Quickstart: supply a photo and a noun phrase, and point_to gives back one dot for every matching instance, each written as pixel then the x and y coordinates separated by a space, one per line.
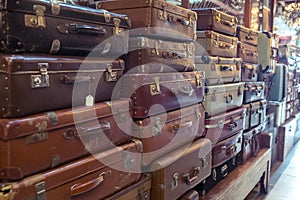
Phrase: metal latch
pixel 198 81
pixel 40 191
pixel 155 88
pixel 157 128
pixel 106 16
pixel 37 20
pixel 111 76
pixel 42 80
pixel 174 184
pixel 6 191
pixel 129 160
pixel 117 30
pixel 156 46
pixel 55 7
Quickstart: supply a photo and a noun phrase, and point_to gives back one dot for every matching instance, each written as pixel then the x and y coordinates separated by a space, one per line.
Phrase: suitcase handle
pixel 249 37
pixel 184 91
pixel 81 188
pixel 226 68
pixel 224 45
pixel 86 29
pixel 78 79
pixel 176 127
pixel 224 22
pixel 100 127
pixel 188 179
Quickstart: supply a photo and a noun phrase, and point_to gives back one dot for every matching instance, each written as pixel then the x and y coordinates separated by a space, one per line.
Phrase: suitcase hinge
pixel 117 30
pixel 38 20
pixel 55 7
pixel 155 88
pixel 110 75
pixel 6 191
pixel 40 191
pixel 42 80
pixel 174 184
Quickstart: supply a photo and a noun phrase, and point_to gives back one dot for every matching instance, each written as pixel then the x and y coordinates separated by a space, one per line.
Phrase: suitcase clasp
pixel 40 191
pixel 117 30
pixel 55 7
pixel 38 20
pixel 110 75
pixel 174 184
pixel 42 80
pixel 155 88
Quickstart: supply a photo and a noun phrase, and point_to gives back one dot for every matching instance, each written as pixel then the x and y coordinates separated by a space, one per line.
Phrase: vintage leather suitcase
pixel 160 92
pixel 138 191
pixel 249 72
pixel 87 178
pixel 60 137
pixel 163 133
pixel 223 126
pixel 219 70
pixel 221 98
pixel 190 195
pixel 213 19
pixel 181 170
pixel 32 81
pixel 216 44
pixel 279 83
pixel 52 27
pixel 258 113
pixel 247 53
pixel 254 91
pixel 247 35
pixel 279 109
pixel 170 21
pixel 251 143
pixel 148 55
pixel 286 138
pixel 267 52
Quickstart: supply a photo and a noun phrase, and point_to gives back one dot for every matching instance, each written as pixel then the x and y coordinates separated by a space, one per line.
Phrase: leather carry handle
pixel 78 79
pixel 184 91
pixel 86 29
pixel 100 127
pixel 175 19
pixel 249 37
pixel 224 45
pixel 226 68
pixel 224 22
pixel 174 128
pixel 229 99
pixel 233 126
pixel 81 188
pixel 188 179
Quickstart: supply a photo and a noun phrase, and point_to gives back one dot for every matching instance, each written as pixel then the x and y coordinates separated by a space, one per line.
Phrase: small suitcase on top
pixel 55 27
pixel 247 35
pixel 247 53
pixel 213 19
pixel 156 18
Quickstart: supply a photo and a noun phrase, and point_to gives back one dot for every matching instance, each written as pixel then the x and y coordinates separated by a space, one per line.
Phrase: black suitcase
pixel 53 27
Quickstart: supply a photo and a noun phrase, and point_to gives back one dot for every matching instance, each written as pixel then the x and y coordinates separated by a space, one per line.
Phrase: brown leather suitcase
pixel 254 91
pixel 87 178
pixel 190 195
pixel 249 72
pixel 36 83
pixel 148 55
pixel 138 191
pixel 258 113
pixel 160 92
pixel 55 138
pixel 219 70
pixel 222 98
pixel 55 27
pixel 213 19
pixel 156 18
pixel 216 44
pixel 178 172
pixel 247 35
pixel 163 133
pixel 223 126
pixel 247 53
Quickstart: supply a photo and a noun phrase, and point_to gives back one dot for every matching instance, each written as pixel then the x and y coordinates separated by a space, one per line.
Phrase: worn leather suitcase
pixel 190 195
pixel 254 91
pixel 138 191
pixel 148 55
pixel 170 21
pixel 164 133
pixel 213 19
pixel 247 53
pixel 219 70
pixel 87 178
pixel 60 137
pixel 52 28
pixel 178 172
pixel 160 92
pixel 222 98
pixel 216 44
pixel 246 35
pixel 279 109
pixel 286 138
pixel 251 143
pixel 258 113
pixel 223 126
pixel 32 81
pixel 249 72
pixel 279 83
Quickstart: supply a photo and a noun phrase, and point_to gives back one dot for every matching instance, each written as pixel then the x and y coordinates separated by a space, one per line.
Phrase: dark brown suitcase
pixel 164 133
pixel 216 44
pixel 246 35
pixel 213 19
pixel 247 53
pixel 138 191
pixel 223 126
pixel 148 55
pixel 87 178
pixel 254 91
pixel 54 27
pixel 157 93
pixel 33 83
pixel 258 113
pixel 219 70
pixel 190 195
pixel 55 138
pixel 156 18
pixel 178 172
pixel 249 72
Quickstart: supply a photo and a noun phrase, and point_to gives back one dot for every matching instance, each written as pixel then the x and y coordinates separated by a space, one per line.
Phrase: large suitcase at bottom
pixel 181 170
pixel 87 178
